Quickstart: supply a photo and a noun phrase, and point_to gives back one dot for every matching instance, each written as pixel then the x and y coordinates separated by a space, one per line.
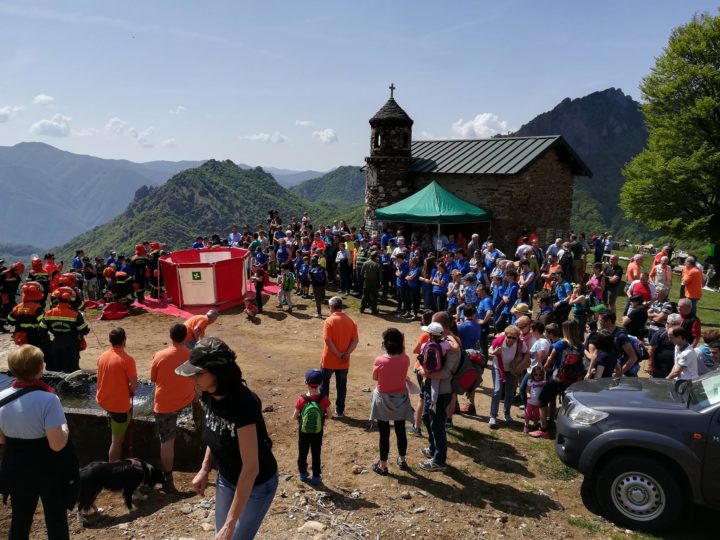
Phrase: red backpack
pixel 571 368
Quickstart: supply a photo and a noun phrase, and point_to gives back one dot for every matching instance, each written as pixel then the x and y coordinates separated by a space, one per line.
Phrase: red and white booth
pixel 205 277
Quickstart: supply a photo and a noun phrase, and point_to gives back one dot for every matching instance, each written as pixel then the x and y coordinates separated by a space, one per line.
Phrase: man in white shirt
pixel 553 249
pixel 686 360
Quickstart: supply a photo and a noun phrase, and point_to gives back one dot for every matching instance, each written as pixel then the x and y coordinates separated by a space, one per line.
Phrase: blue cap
pixel 313 377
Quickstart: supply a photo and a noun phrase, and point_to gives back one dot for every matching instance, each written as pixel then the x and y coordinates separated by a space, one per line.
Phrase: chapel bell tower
pixel 387 170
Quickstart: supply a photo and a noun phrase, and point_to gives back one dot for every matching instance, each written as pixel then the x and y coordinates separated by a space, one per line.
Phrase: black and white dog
pixel 125 475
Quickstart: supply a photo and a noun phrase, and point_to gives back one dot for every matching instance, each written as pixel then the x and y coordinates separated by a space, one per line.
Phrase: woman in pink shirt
pixel 390 401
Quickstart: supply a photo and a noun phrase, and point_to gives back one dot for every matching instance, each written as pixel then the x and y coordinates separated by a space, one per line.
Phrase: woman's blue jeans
pixel 502 390
pixel 261 497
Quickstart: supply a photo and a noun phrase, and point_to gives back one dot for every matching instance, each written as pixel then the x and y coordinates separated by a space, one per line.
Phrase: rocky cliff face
pixel 606 129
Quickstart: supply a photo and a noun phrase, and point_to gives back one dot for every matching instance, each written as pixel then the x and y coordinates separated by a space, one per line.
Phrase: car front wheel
pixel 639 493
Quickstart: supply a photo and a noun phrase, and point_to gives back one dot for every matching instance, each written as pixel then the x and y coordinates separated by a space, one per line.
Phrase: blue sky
pixel 292 84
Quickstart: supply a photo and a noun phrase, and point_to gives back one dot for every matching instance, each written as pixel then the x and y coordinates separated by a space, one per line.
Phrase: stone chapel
pixel 526 182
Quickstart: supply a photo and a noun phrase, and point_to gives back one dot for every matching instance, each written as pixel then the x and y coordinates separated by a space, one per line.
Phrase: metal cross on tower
pixel 392 89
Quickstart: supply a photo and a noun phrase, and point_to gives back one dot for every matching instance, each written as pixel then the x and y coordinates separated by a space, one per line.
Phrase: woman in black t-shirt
pixel 603 356
pixel 236 439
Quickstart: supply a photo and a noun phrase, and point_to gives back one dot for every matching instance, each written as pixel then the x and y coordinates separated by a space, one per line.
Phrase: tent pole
pixel 437 241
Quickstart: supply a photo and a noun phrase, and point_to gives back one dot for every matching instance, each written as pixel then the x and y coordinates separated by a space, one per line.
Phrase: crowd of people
pixel 538 319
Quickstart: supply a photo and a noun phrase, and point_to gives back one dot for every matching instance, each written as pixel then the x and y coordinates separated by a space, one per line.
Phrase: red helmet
pixel 154 246
pixel 68 279
pixel 17 267
pixel 36 264
pixel 108 272
pixel 64 294
pixel 139 249
pixel 32 291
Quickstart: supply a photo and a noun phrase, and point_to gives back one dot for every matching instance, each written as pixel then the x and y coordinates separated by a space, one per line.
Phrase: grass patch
pixel 551 465
pixel 584 523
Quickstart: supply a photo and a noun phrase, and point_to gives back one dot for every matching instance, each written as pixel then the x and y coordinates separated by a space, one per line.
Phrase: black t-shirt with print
pixel 222 420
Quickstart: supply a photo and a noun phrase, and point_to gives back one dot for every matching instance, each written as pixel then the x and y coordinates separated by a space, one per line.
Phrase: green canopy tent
pixel 433 205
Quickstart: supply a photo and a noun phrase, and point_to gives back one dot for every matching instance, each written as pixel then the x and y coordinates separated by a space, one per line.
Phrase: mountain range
pixel 52 195
pixel 605 128
pixel 200 201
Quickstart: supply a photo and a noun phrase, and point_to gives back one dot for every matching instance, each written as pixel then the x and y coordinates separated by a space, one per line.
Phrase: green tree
pixel 674 184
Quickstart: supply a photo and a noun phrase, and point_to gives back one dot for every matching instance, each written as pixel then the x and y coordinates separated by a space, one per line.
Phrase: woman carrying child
pixel 390 400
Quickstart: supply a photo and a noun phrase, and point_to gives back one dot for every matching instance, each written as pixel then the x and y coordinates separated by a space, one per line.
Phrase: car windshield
pixel 705 391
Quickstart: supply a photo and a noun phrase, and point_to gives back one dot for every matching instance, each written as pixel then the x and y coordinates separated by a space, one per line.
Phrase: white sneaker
pixel 492 423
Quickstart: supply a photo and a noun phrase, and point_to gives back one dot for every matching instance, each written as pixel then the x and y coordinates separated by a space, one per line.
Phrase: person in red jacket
pixel 39 274
pixel 68 328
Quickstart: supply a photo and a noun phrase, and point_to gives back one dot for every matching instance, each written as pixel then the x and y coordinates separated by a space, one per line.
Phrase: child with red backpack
pixel 566 362
pixel 311 410
pixel 534 388
pixel 432 356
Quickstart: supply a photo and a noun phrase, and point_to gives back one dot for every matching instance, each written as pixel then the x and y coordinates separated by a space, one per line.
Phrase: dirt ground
pixel 499 484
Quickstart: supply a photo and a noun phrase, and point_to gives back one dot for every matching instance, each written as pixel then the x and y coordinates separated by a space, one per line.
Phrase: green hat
pixel 599 308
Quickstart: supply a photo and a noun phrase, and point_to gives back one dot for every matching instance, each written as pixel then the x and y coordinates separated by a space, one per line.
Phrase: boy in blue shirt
pixel 304 275
pixel 401 271
pixel 509 297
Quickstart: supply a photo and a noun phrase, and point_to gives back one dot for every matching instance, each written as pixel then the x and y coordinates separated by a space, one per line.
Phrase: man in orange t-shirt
pixel 116 384
pixel 172 394
pixel 692 279
pixel 341 337
pixel 196 326
pixel 634 268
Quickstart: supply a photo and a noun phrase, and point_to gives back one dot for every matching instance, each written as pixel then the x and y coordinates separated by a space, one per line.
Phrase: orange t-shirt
pixel 633 271
pixel 172 392
pixel 341 330
pixel 421 340
pixel 196 320
pixel 551 270
pixel 693 279
pixel 115 369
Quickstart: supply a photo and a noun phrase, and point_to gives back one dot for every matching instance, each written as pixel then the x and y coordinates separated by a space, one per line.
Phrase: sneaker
pixel 449 423
pixel 315 481
pixel 526 428
pixel 468 408
pixel 508 418
pixel 377 469
pixel 492 422
pixel 304 476
pixel 431 466
pixel 339 414
pixel 540 434
pixel 427 453
pixel 402 464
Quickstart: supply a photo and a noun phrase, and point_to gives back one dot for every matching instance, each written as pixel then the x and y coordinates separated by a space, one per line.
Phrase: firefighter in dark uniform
pixel 140 265
pixel 119 287
pixel 69 279
pixel 9 285
pixel 372 276
pixel 38 274
pixel 27 316
pixel 155 275
pixel 68 328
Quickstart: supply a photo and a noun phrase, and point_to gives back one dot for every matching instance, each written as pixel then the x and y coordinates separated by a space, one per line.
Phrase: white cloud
pixel 8 112
pixel 178 110
pixel 303 123
pixel 274 138
pixel 325 136
pixel 426 135
pixel 43 99
pixel 482 126
pixel 169 143
pixel 57 126
pixel 116 126
pixel 144 137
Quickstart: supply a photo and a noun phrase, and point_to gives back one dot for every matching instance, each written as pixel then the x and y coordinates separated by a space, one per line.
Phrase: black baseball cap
pixel 208 352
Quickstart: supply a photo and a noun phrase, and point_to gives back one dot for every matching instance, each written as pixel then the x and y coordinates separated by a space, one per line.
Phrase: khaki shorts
pixel 166 425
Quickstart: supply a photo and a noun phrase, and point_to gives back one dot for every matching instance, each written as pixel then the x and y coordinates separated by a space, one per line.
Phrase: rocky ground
pixel 500 484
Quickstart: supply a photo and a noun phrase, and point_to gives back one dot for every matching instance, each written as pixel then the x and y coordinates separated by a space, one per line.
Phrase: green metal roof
pixel 501 155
